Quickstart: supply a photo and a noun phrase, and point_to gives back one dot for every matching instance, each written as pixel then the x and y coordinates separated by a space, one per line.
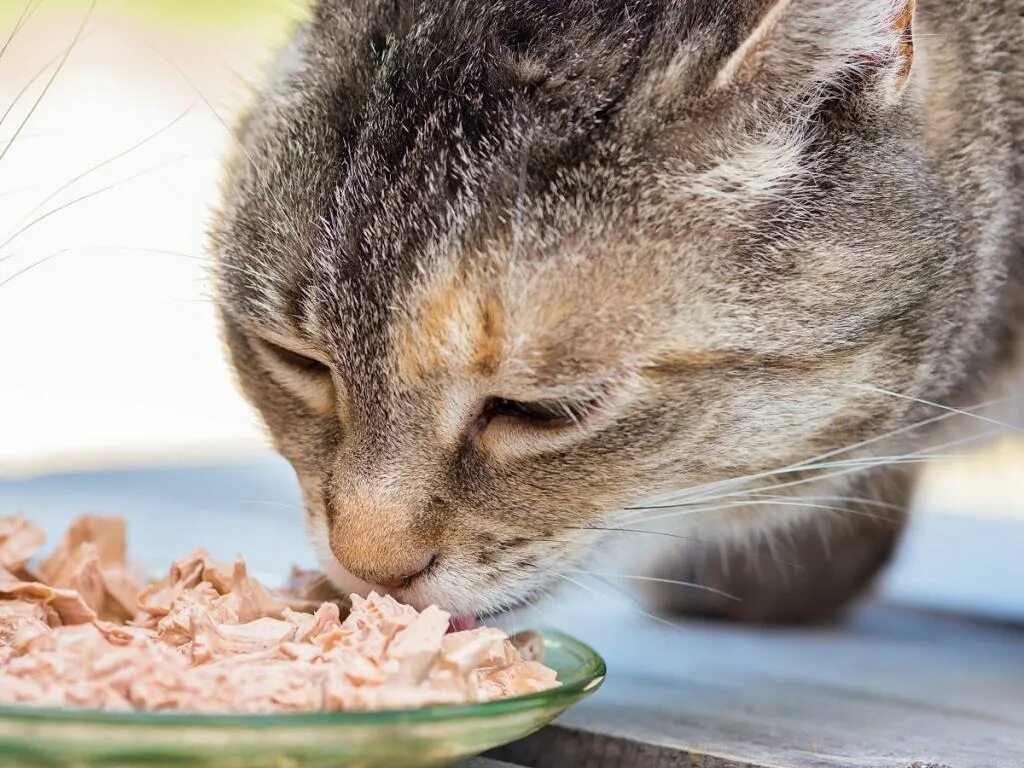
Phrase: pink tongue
pixel 462 623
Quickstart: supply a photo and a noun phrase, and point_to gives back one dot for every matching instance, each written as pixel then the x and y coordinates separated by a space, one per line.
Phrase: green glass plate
pixel 399 739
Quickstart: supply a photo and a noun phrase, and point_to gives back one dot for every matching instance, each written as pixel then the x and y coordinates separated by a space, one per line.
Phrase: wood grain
pixel 893 688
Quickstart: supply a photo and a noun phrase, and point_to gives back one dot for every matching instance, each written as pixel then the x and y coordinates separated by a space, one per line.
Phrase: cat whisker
pixel 697 490
pixel 691 506
pixel 854 465
pixel 33 265
pixel 920 456
pixel 261 178
pixel 865 500
pixel 194 257
pixel 520 214
pixel 26 13
pixel 107 162
pixel 739 504
pixel 546 618
pixel 63 206
pixel 631 607
pixel 654 579
pixel 280 504
pixel 932 404
pixel 46 88
pixel 555 541
pixel 23 138
pixel 39 73
pixel 626 594
pixel 679 537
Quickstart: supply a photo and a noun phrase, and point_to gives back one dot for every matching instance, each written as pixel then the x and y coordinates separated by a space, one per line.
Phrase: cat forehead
pixel 502 258
pixel 534 323
pixel 368 155
pixel 356 213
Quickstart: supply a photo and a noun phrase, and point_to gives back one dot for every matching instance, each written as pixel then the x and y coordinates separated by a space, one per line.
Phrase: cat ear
pixel 809 44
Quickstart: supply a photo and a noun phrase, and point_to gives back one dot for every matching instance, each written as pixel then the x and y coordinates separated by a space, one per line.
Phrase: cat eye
pixel 296 360
pixel 540 413
pixel 304 376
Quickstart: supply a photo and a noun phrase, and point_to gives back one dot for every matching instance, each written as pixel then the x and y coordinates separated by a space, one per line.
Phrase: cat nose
pixel 381 555
pixel 394 582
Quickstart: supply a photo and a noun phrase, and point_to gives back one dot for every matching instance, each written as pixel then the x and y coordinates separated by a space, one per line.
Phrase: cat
pixel 510 282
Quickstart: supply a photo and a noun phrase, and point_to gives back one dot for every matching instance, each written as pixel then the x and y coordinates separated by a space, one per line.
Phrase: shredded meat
pixel 19 541
pixel 83 631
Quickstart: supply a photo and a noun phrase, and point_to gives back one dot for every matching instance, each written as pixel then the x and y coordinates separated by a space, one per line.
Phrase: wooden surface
pixel 892 688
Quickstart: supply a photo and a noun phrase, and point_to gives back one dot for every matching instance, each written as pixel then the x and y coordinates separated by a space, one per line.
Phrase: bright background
pixel 108 350
pixel 109 353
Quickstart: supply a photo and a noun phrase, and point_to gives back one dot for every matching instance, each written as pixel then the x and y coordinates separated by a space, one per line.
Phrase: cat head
pixel 491 271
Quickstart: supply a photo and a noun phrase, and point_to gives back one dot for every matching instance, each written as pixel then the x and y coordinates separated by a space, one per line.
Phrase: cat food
pixel 81 629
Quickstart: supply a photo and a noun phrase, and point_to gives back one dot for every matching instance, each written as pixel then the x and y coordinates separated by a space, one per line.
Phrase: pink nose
pixel 378 546
pixel 394 582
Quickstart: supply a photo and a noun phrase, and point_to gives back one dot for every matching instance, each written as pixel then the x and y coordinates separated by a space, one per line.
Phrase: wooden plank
pixel 559 746
pixel 890 689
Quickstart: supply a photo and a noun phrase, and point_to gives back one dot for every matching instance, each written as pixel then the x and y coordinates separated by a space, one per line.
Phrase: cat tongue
pixel 462 623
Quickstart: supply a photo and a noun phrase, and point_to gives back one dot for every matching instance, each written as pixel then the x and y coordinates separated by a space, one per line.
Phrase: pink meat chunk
pixel 82 631
pixel 19 541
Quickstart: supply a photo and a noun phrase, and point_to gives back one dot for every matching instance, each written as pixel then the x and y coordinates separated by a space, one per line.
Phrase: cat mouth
pixel 462 623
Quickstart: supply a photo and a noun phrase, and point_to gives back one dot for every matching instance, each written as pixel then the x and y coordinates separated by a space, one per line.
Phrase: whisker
pixel 24 137
pixel 60 66
pixel 630 607
pixel 280 504
pixel 544 615
pixel 932 404
pixel 260 177
pixel 26 13
pixel 553 541
pixel 751 503
pixel 524 166
pixel 182 254
pixel 654 579
pixel 680 537
pixel 690 507
pixel 866 501
pixel 33 265
pixel 42 217
pixel 856 464
pixel 690 494
pixel 107 162
pixel 910 458
pixel 631 597
pixel 698 490
pixel 39 73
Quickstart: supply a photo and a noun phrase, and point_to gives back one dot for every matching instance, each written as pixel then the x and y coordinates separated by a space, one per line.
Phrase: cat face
pixel 491 274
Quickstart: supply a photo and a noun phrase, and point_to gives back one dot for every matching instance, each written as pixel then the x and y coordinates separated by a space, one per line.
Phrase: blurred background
pixel 110 361
pixel 109 350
